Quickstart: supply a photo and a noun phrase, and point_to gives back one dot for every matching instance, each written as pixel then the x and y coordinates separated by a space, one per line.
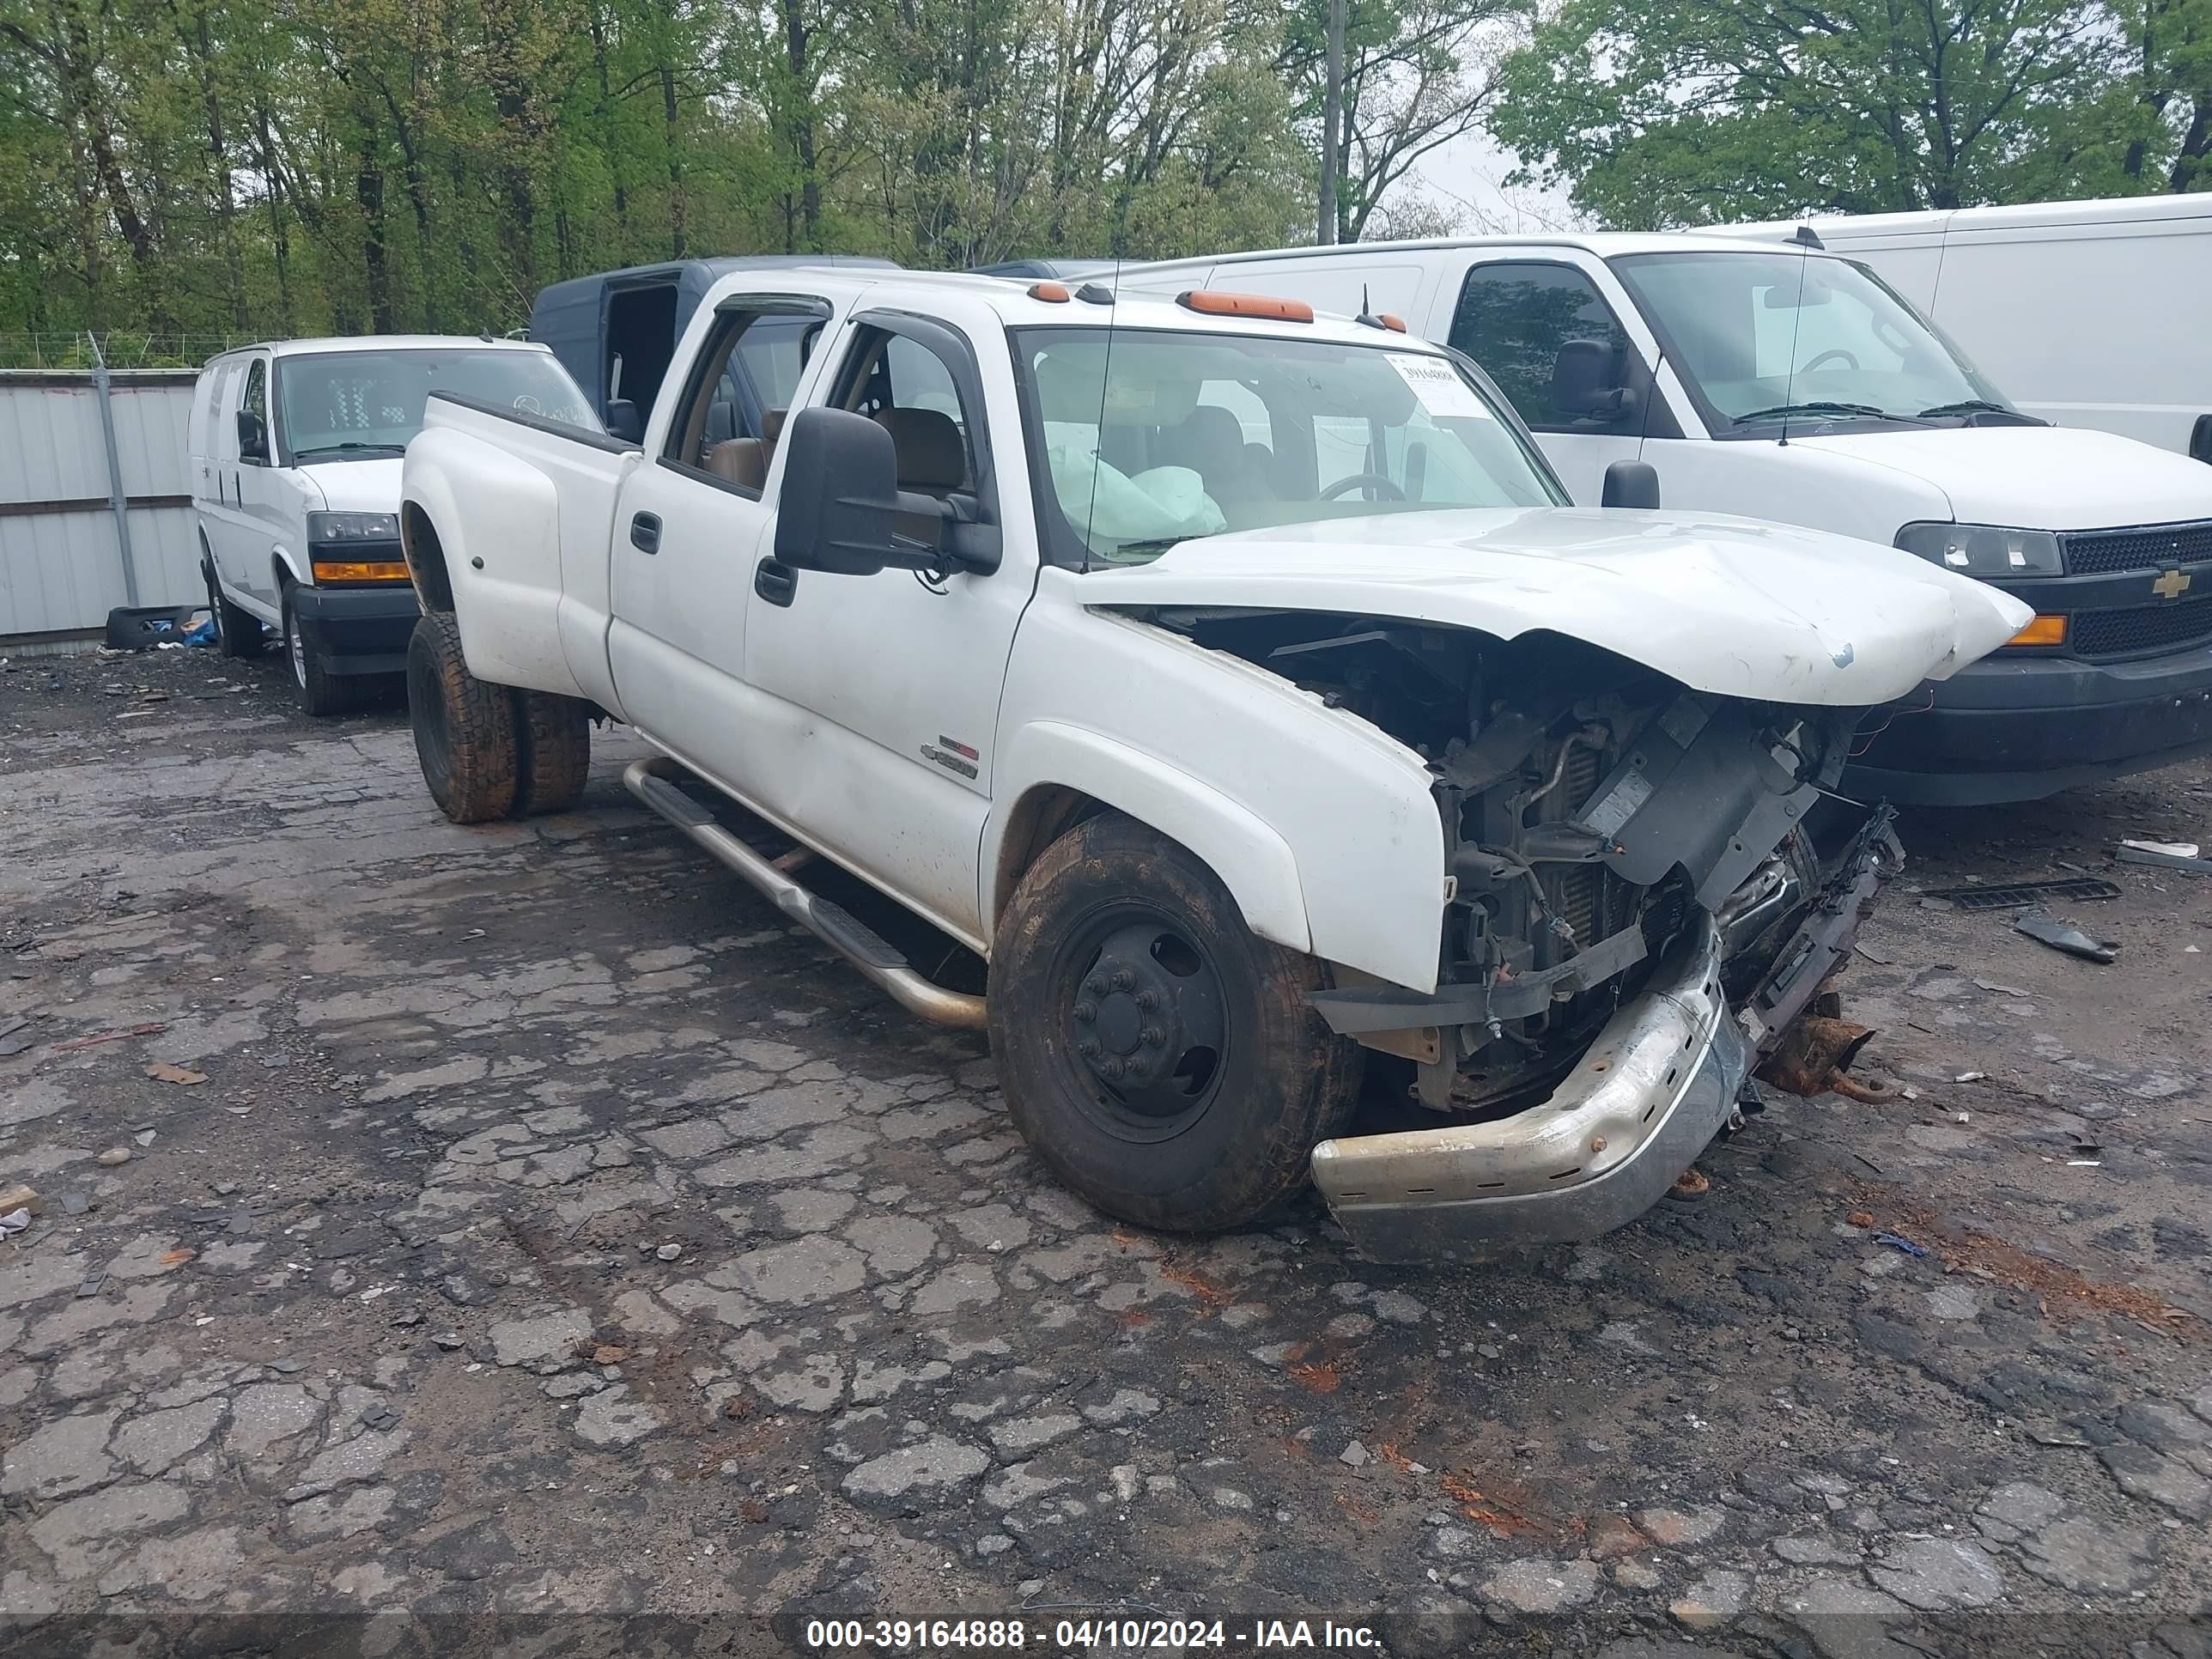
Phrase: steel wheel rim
pixel 1141 1016
pixel 295 648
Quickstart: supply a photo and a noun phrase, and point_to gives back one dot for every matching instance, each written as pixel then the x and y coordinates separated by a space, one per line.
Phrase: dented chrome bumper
pixel 1650 1096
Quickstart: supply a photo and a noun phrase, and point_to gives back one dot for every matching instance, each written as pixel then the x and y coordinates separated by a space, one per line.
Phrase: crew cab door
pixel 1568 350
pixel 878 696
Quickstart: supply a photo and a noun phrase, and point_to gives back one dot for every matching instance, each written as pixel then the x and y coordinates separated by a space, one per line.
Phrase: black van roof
pixel 569 316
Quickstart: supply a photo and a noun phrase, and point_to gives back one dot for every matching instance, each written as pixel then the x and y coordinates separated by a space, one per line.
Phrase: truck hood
pixel 357 486
pixel 2037 477
pixel 1726 605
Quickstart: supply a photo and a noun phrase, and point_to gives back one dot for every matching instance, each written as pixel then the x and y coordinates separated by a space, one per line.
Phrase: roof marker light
pixel 1211 303
pixel 1054 294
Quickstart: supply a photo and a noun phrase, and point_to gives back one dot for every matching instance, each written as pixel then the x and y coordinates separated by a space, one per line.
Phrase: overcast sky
pixel 1466 176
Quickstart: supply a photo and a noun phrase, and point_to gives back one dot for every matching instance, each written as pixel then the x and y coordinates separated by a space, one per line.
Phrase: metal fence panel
pixel 61 560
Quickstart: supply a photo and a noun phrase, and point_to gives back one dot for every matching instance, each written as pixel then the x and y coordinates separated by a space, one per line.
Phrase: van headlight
pixel 1984 550
pixel 353 527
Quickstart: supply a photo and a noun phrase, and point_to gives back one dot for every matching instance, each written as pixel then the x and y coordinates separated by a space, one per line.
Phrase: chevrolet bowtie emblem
pixel 2171 584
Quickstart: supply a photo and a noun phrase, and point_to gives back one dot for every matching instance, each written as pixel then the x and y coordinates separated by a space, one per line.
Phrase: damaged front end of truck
pixel 1639 914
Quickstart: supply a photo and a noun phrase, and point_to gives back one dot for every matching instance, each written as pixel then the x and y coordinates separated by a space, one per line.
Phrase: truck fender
pixel 1254 862
pixel 495 561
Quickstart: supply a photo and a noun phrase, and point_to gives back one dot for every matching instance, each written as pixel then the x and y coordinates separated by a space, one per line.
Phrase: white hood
pixel 356 486
pixel 2037 477
pixel 1730 606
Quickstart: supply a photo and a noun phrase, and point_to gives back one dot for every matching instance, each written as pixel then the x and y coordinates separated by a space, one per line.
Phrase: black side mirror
pixel 2200 439
pixel 839 492
pixel 1631 483
pixel 624 424
pixel 252 437
pixel 1583 382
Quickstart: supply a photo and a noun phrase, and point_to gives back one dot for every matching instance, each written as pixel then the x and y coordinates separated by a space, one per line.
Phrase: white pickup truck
pixel 1239 687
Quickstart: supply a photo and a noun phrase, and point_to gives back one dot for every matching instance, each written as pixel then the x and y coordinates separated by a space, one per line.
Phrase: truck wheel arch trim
pixel 1252 860
pixel 425 554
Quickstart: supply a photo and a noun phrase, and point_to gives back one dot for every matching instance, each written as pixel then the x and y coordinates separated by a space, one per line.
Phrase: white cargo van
pixel 1792 384
pixel 292 449
pixel 2088 313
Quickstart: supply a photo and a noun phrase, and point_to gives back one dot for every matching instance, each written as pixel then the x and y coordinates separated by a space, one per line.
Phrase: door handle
pixel 645 533
pixel 775 582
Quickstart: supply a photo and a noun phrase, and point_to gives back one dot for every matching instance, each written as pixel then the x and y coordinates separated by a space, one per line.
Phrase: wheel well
pixel 426 558
pixel 1040 817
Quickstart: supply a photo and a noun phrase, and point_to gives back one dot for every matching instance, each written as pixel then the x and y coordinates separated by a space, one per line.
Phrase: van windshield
pixel 1162 435
pixel 359 405
pixel 1760 338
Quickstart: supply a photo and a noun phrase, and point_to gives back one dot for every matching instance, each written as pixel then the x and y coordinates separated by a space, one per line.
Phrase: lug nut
pixel 1113 1065
pixel 1087 1046
pixel 1123 979
pixel 1154 1036
pixel 1096 985
pixel 1086 1011
pixel 1148 999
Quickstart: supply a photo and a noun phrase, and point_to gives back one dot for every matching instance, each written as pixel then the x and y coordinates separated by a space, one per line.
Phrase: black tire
pixel 553 739
pixel 464 733
pixel 238 634
pixel 1168 1143
pixel 320 691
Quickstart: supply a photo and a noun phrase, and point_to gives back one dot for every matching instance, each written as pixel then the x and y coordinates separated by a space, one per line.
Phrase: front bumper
pixel 1650 1094
pixel 358 630
pixel 2018 728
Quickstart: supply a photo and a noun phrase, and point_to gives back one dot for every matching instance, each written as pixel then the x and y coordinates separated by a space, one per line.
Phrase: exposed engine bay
pixel 1595 812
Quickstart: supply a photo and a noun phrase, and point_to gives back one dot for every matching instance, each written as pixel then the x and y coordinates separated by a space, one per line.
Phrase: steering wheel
pixel 1370 480
pixel 1849 361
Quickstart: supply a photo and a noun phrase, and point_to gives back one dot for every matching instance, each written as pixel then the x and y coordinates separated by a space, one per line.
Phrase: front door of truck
pixel 879 695
pixel 688 529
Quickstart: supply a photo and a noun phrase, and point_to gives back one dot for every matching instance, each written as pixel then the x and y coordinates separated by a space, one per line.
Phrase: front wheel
pixel 236 631
pixel 1157 1055
pixel 321 692
pixel 464 726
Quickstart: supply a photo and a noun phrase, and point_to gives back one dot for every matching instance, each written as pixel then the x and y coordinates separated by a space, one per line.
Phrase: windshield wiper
pixel 1970 406
pixel 1866 410
pixel 350 447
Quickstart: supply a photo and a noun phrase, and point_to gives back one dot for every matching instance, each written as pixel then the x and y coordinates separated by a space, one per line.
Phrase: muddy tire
pixel 320 692
pixel 554 737
pixel 464 734
pixel 238 634
pixel 1156 1054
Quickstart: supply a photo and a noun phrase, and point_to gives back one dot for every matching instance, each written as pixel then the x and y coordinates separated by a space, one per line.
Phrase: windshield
pixel 360 405
pixel 1757 336
pixel 1160 435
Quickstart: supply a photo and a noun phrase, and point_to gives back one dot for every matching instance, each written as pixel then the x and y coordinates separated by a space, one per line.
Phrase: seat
pixel 1212 440
pixel 932 457
pixel 740 461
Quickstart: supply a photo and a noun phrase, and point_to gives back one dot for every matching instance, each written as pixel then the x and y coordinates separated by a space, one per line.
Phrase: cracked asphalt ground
pixel 558 1238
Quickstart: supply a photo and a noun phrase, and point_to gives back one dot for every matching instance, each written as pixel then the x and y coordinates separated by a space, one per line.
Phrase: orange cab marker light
pixel 2044 630
pixel 1213 304
pixel 1395 324
pixel 329 570
pixel 1055 294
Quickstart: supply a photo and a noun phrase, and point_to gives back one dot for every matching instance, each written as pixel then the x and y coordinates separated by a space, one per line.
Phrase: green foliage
pixel 1705 111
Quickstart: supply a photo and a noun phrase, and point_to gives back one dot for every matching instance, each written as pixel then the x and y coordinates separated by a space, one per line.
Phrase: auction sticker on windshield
pixel 1438 385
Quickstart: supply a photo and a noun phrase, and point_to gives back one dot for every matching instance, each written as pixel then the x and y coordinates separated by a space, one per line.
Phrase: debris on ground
pixel 2061 935
pixel 2024 892
pixel 113 1155
pixel 163 1071
pixel 2165 856
pixel 1899 1241
pixel 1970 1077
pixel 21 1197
pixel 14 1221
pixel 1814 1058
pixel 1692 1183
pixel 2172 849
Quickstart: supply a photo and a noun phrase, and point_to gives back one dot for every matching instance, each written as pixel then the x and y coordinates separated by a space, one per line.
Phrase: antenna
pixel 1796 323
pixel 1098 448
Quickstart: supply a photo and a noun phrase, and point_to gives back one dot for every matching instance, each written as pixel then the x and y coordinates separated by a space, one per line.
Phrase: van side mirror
pixel 1582 383
pixel 1631 483
pixel 839 492
pixel 2200 439
pixel 252 437
pixel 624 424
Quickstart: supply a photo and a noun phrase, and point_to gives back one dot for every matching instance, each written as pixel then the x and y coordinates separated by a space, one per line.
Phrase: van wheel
pixel 320 692
pixel 235 631
pixel 553 737
pixel 464 733
pixel 1157 1055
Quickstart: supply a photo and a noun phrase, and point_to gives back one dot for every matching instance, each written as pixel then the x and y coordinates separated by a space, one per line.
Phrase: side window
pixel 1514 319
pixel 906 387
pixel 732 416
pixel 256 398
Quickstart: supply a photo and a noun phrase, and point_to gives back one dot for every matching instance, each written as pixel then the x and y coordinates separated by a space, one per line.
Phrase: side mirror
pixel 839 492
pixel 1631 483
pixel 1583 382
pixel 2200 439
pixel 252 437
pixel 624 424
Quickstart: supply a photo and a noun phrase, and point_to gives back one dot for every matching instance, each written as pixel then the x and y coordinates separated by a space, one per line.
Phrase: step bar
pixel 653 780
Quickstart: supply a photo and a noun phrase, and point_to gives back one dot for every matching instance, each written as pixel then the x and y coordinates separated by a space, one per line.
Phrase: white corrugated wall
pixel 61 565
